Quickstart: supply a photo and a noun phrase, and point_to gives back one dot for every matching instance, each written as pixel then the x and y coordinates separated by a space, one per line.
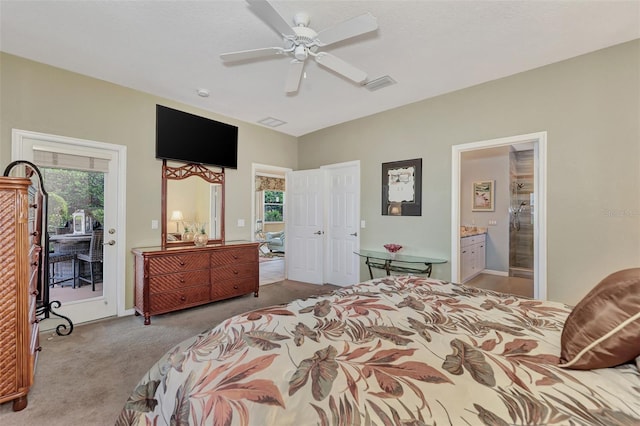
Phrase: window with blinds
pixel 69 161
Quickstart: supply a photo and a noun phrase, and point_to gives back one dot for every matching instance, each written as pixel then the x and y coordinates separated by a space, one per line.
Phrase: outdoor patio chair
pixel 54 259
pixel 93 258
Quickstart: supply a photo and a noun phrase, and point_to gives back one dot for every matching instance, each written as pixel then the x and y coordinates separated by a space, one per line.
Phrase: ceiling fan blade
pixel 350 28
pixel 268 14
pixel 293 76
pixel 341 67
pixel 242 55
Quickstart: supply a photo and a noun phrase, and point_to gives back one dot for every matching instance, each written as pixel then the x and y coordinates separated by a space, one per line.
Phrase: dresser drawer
pixel 241 270
pixel 231 256
pixel 168 282
pixel 173 300
pixel 231 288
pixel 178 262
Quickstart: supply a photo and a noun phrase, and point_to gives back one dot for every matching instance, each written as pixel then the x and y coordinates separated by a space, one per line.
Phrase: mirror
pixel 192 203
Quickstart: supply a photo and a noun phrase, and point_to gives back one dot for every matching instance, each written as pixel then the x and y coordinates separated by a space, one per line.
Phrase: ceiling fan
pixel 300 42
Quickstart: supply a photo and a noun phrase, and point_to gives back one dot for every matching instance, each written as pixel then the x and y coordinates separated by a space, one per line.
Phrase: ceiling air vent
pixel 379 83
pixel 272 122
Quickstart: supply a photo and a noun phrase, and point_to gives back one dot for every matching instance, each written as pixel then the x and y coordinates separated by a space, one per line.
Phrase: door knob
pixel 355 234
pixel 318 233
pixel 109 243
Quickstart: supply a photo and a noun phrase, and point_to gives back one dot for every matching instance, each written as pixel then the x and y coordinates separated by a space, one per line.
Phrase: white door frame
pixel 17 153
pixel 539 141
pixel 280 172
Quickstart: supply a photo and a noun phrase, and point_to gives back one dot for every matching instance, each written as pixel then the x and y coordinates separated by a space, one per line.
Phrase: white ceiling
pixel 172 48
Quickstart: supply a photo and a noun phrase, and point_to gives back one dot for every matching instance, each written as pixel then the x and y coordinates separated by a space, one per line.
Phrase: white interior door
pixel 343 217
pixel 105 303
pixel 304 226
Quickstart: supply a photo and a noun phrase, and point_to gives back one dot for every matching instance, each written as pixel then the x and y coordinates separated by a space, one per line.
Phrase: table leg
pixel 387 267
pixel 369 265
pixel 428 270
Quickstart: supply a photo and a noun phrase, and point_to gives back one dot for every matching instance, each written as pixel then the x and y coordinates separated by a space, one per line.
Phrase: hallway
pixel 271 270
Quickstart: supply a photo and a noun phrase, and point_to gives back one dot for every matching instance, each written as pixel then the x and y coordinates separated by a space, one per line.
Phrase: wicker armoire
pixel 20 257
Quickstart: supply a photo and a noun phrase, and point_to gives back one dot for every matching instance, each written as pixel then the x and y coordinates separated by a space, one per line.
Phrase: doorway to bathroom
pixel 530 216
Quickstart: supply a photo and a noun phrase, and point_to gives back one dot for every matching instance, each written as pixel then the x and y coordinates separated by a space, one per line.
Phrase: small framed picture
pixel 483 198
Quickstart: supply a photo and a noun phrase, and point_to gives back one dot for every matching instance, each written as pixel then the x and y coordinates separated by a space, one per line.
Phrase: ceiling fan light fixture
pixel 300 42
pixel 300 52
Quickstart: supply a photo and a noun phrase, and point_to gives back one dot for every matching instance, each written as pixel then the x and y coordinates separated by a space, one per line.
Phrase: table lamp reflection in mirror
pixel 176 216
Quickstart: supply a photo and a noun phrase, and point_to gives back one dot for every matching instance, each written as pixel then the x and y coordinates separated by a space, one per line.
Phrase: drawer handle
pixel 38 349
pixel 234 256
pixel 34 205
pixel 183 298
pixel 235 272
pixel 35 321
pixel 34 263
pixel 35 293
pixel 182 281
pixel 34 234
pixel 235 287
pixel 181 263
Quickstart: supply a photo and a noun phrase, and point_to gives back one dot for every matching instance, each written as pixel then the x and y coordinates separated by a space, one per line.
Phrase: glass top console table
pixel 398 262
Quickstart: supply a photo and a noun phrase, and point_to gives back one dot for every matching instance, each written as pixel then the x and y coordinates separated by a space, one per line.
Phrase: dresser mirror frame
pixel 189 171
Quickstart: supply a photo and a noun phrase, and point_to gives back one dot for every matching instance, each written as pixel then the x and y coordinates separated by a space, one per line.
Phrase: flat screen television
pixel 189 138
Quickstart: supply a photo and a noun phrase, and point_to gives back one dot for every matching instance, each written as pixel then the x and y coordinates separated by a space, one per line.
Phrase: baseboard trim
pixel 492 272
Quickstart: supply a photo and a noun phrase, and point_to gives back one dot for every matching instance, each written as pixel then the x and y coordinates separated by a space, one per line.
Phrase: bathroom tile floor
pixel 512 285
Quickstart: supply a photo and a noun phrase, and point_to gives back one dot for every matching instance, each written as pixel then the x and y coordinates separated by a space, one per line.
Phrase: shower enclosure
pixel 521 214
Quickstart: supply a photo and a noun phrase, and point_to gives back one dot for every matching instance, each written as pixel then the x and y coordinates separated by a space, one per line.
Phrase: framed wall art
pixel 483 196
pixel 402 188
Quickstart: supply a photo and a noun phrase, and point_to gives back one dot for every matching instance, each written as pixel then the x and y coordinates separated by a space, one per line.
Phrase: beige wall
pixel 45 99
pixel 589 106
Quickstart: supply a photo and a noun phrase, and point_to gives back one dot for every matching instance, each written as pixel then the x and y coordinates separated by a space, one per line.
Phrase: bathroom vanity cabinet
pixel 472 256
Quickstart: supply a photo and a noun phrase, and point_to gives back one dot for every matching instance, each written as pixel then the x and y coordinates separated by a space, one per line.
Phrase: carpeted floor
pixel 85 378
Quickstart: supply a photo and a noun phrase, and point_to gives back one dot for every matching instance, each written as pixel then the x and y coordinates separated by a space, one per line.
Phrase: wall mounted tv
pixel 185 137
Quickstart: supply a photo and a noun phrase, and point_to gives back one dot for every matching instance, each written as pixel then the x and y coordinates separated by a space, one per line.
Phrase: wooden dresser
pixel 20 225
pixel 171 279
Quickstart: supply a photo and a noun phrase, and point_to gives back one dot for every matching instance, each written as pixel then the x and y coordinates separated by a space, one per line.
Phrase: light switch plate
pixel 240 223
pixel 363 224
pixel 154 224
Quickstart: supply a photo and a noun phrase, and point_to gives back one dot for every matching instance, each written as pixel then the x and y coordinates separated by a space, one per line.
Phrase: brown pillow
pixel 603 330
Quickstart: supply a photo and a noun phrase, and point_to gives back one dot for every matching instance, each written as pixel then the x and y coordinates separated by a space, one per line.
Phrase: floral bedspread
pixel 394 351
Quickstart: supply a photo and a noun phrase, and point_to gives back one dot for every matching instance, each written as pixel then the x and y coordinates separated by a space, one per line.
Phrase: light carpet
pixel 85 378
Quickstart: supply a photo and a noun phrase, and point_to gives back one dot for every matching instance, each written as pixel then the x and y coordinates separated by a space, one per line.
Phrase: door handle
pixel 318 233
pixel 109 243
pixel 355 234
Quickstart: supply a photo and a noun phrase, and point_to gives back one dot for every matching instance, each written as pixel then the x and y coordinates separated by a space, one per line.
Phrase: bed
pixel 400 350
